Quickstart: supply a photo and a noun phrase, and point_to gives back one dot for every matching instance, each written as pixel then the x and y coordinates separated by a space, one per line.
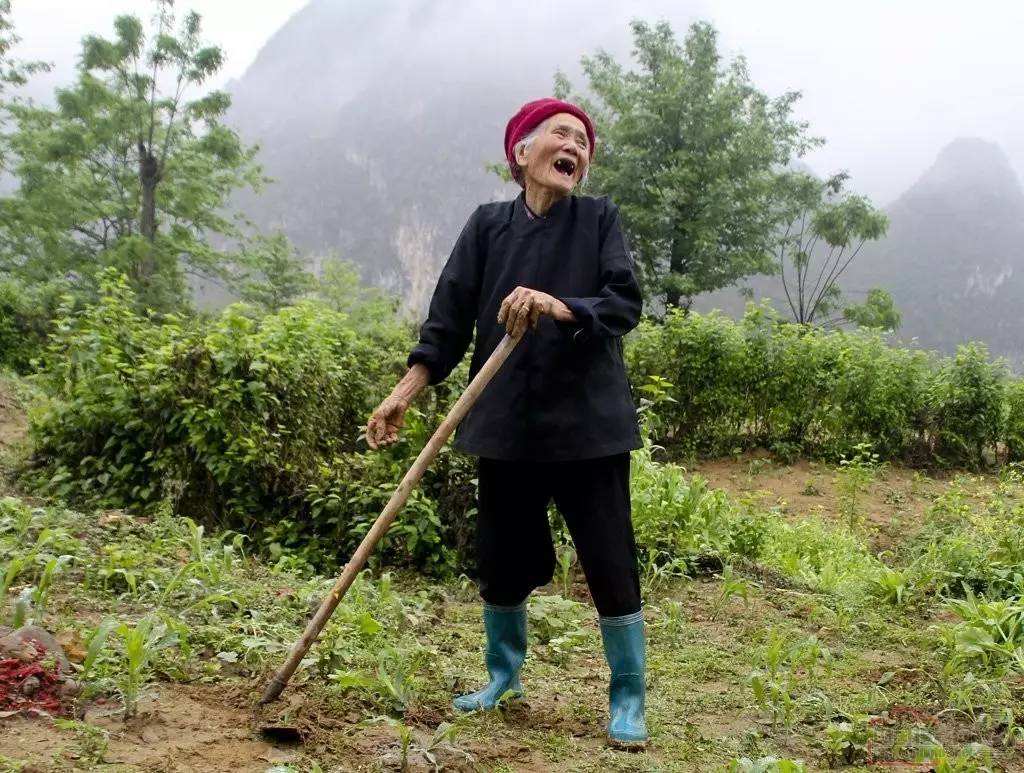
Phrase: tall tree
pixel 271 273
pixel 825 230
pixel 125 170
pixel 13 72
pixel 691 151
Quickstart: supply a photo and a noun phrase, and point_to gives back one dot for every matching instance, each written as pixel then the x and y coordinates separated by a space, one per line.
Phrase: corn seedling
pixel 732 587
pixel 52 568
pixel 773 696
pixel 139 644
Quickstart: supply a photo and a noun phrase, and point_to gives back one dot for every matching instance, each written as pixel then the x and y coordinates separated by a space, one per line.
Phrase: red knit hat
pixel 530 117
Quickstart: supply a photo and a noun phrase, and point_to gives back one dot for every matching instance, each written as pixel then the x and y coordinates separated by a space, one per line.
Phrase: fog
pixel 887 84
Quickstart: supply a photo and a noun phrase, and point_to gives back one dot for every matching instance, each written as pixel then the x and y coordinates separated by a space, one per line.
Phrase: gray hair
pixel 526 141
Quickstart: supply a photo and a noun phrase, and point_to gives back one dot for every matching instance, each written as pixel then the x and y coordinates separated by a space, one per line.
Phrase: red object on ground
pixel 14 672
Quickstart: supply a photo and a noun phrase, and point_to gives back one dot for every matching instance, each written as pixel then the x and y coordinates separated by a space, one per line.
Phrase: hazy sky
pixel 887 83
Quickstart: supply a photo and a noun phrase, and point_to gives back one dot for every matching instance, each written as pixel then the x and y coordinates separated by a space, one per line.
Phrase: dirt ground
pixel 13 422
pixel 894 502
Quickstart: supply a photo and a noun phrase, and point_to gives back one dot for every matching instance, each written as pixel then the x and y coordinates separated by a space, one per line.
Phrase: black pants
pixel 514 548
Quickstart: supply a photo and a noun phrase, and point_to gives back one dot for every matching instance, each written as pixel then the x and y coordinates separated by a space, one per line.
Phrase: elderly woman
pixel 558 420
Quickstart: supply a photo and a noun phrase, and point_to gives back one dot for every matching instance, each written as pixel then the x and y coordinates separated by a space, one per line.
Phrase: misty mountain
pixel 954 254
pixel 953 257
pixel 377 120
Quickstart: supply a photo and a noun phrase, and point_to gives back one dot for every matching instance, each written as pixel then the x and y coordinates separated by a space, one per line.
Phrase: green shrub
pixel 966 398
pixel 1015 420
pixel 26 314
pixel 799 389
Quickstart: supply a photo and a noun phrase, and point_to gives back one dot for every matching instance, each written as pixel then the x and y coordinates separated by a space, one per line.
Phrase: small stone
pixel 30 686
pixel 26 643
pixel 69 688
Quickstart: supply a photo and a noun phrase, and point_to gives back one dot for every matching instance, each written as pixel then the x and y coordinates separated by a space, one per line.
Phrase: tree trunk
pixel 149 176
pixel 675 266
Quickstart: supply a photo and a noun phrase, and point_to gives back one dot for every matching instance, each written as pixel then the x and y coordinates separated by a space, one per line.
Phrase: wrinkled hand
pixel 524 306
pixel 386 420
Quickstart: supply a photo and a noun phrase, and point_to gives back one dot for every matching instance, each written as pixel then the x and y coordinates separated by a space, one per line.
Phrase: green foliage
pixel 965 404
pixel 26 312
pixel 249 422
pixel 370 311
pixel 691 152
pixel 272 273
pixel 125 171
pixel 878 311
pixel 764 382
pixel 825 229
pixel 1015 420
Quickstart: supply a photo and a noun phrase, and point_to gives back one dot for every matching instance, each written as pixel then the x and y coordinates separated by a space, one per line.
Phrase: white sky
pixel 887 82
pixel 51 29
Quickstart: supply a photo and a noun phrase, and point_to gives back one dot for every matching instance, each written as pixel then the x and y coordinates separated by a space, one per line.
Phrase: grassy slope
pixel 399 647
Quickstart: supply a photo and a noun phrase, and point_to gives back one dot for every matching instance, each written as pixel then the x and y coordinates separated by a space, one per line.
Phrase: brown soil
pixel 894 502
pixel 13 422
pixel 179 728
pixel 210 728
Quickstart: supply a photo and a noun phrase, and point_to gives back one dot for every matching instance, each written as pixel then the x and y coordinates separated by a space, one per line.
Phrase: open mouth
pixel 565 166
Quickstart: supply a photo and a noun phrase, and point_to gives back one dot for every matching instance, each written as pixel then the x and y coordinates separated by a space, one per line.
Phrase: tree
pixel 125 170
pixel 691 151
pixel 878 310
pixel 825 230
pixel 13 72
pixel 273 275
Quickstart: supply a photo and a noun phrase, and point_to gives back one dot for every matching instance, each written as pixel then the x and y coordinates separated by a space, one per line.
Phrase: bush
pixel 1014 434
pixel 26 314
pixel 766 382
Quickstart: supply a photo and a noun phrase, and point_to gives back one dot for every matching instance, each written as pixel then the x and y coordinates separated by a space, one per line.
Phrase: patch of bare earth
pixel 179 728
pixel 895 501
pixel 13 422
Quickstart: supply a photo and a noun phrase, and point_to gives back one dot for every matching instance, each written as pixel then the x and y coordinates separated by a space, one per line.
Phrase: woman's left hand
pixel 524 306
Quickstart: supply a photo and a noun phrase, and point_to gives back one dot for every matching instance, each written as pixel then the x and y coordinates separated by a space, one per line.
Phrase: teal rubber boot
pixel 505 628
pixel 625 649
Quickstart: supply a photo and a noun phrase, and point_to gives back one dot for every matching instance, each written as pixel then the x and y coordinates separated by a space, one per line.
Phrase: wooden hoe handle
pixel 387 516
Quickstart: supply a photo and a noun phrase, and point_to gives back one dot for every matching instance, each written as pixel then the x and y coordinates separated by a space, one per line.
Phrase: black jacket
pixel 562 394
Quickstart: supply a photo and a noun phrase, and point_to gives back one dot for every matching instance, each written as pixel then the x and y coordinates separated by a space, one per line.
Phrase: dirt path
pixel 13 422
pixel 180 728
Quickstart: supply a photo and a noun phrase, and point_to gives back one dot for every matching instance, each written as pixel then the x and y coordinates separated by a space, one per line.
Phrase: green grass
pixel 799 650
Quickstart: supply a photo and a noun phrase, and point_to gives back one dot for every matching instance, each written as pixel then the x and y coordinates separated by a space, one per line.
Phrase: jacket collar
pixel 556 212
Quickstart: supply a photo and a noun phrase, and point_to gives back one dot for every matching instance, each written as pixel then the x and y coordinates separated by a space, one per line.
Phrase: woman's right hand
pixel 386 420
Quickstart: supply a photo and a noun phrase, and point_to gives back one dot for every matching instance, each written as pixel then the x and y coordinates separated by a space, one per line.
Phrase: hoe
pixel 387 516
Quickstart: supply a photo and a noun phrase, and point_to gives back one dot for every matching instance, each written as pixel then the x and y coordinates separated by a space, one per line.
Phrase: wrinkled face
pixel 559 155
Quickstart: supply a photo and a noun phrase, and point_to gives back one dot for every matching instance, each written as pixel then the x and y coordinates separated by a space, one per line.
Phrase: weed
pixel 811 488
pixel 91 742
pixel 855 476
pixel 847 743
pixel 765 765
pixel 891 585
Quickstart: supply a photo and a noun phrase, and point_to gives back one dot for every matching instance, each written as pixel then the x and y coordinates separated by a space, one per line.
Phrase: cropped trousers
pixel 515 553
